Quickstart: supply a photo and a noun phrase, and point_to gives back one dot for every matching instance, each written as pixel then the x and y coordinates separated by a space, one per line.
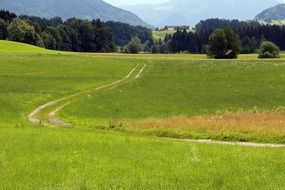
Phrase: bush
pixel 268 50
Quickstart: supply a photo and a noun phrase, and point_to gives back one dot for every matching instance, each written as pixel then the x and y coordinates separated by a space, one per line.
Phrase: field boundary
pixel 244 144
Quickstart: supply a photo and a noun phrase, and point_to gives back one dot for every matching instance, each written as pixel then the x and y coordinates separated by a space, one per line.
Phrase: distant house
pixel 231 54
pixel 169 28
pixel 183 27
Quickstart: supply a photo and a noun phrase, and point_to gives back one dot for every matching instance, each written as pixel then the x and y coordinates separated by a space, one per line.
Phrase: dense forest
pixel 123 33
pixel 70 35
pixel 216 23
pixel 97 36
pixel 251 35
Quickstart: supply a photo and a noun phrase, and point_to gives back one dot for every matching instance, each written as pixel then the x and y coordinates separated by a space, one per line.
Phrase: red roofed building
pixel 231 54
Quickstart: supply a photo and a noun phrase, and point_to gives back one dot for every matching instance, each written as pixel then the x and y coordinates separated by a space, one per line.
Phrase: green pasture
pixel 30 77
pixel 190 88
pixel 160 34
pixel 43 158
pixel 16 47
pixel 88 157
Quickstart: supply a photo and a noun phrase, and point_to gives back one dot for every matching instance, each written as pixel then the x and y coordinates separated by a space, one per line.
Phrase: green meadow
pixel 160 34
pixel 45 158
pixel 34 76
pixel 171 88
pixel 114 141
pixel 186 89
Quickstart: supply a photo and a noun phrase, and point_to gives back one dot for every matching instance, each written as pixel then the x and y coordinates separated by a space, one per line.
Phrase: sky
pixel 133 2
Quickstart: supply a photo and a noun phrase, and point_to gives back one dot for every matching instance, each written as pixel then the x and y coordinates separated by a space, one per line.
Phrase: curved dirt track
pixel 63 102
pixel 245 144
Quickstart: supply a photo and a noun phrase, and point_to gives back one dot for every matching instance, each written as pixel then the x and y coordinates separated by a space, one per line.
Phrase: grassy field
pixel 169 92
pixel 34 76
pixel 162 33
pixel 46 158
pixel 15 47
pixel 173 95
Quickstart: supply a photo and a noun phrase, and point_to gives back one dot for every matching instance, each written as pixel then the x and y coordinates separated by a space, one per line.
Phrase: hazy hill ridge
pixel 274 13
pixel 190 12
pixel 84 9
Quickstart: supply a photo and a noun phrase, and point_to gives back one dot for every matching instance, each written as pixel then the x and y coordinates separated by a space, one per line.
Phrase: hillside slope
pixel 12 47
pixel 274 13
pixel 84 9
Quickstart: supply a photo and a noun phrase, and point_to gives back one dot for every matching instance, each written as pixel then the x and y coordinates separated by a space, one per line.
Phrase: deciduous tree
pixel 222 40
pixel 20 31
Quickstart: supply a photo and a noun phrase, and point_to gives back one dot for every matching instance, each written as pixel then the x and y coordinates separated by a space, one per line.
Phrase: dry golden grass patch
pixel 249 123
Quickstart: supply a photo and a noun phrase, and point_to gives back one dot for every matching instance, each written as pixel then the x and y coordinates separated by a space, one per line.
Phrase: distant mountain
pixel 84 9
pixel 272 14
pixel 176 12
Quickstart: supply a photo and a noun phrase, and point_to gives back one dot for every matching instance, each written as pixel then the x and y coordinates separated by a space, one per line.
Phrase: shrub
pixel 268 50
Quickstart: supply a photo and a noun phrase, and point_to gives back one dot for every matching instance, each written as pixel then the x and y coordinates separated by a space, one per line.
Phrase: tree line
pixel 70 35
pixel 251 35
pixel 96 36
pixel 225 44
